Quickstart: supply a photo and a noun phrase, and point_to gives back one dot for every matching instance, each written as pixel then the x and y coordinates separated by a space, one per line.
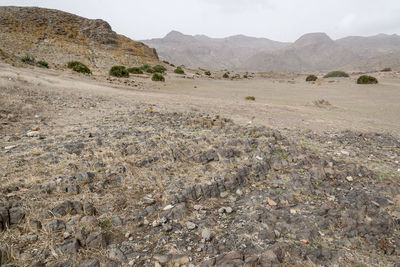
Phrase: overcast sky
pixel 281 20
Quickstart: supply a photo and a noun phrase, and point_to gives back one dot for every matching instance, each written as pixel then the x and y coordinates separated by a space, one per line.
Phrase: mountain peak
pixel 313 38
pixel 174 35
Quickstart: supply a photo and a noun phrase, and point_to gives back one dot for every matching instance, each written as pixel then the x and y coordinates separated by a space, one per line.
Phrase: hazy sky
pixel 281 20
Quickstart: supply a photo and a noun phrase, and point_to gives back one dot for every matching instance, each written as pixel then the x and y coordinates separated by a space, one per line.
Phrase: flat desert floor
pixel 283 101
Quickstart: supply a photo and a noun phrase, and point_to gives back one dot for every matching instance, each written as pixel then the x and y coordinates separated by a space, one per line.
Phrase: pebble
pixel 344 152
pixel 206 235
pixel 349 178
pixel 239 192
pixel 224 194
pixel 190 225
pixel 271 202
pixel 197 207
pixel 168 207
pixel 32 133
pixel 9 147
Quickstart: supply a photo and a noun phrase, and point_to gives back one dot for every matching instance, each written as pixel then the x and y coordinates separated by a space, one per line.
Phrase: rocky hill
pixel 211 53
pixel 311 52
pixel 58 37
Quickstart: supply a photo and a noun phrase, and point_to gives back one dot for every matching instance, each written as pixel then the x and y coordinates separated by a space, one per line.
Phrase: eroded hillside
pixel 59 37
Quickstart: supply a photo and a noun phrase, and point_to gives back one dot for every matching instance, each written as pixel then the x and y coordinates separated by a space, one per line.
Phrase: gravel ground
pixel 99 181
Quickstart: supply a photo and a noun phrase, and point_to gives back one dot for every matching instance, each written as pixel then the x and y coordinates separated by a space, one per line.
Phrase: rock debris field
pixel 90 181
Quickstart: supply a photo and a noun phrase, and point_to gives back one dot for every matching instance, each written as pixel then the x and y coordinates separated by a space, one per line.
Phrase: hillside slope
pixel 58 37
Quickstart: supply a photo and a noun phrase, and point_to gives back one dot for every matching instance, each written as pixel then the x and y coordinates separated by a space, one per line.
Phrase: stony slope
pixel 58 37
pixel 311 52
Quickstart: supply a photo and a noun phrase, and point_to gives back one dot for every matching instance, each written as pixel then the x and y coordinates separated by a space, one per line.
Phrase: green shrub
pixel 179 70
pixel 386 70
pixel 78 67
pixel 157 77
pixel 208 73
pixel 145 67
pixel 311 78
pixel 166 62
pixel 365 79
pixel 226 75
pixel 27 59
pixel 336 73
pixel 245 76
pixel 119 71
pixel 250 98
pixel 43 64
pixel 135 70
pixel 72 64
pixel 159 69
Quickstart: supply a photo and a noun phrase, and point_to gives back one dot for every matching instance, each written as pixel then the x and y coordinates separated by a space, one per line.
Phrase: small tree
pixel 208 73
pixel 119 71
pixel 226 75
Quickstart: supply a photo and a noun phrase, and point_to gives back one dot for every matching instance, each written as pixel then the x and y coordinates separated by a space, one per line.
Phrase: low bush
pixel 366 79
pixel 226 75
pixel 135 70
pixel 208 73
pixel 27 59
pixel 336 73
pixel 119 71
pixel 157 77
pixel 78 67
pixel 311 78
pixel 72 64
pixel 250 98
pixel 179 70
pixel 159 69
pixel 43 64
pixel 145 67
pixel 386 70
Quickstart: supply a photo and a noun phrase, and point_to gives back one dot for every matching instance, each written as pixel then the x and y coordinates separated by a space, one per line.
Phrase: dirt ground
pixel 100 171
pixel 282 102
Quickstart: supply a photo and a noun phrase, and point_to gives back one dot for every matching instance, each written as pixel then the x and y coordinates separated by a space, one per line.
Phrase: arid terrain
pixel 102 171
pixel 206 168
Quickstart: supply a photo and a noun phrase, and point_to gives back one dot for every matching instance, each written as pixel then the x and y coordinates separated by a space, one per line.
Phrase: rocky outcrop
pixel 58 37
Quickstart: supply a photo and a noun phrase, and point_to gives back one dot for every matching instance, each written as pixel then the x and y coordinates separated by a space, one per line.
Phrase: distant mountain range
pixel 311 52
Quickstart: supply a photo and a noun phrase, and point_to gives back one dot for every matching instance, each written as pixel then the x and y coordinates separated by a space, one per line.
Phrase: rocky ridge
pixel 58 37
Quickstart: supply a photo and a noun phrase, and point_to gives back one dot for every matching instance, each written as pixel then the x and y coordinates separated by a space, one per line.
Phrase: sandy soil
pixel 282 102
